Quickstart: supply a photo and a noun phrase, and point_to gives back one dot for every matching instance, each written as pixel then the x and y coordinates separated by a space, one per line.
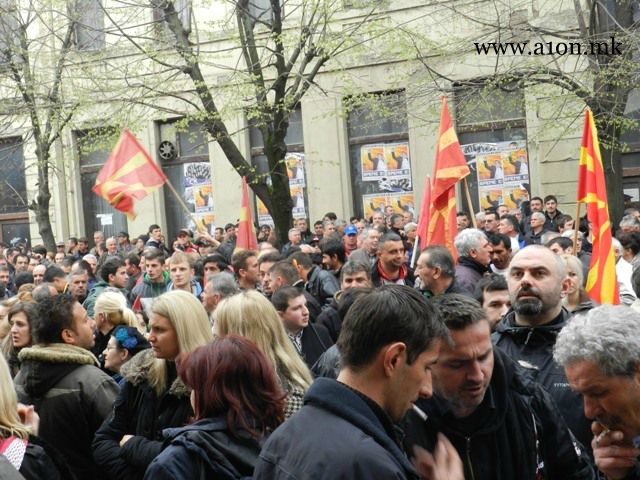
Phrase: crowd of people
pixel 348 352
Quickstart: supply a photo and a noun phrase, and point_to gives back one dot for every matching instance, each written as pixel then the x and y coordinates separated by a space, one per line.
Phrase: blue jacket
pixel 336 435
pixel 205 449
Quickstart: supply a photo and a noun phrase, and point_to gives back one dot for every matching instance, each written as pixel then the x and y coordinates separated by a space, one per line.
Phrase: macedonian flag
pixel 129 173
pixel 602 286
pixel 246 239
pixel 450 167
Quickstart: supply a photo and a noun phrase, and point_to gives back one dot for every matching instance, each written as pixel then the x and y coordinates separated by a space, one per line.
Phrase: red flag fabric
pixel 602 285
pixel 425 211
pixel 450 168
pixel 128 174
pixel 246 239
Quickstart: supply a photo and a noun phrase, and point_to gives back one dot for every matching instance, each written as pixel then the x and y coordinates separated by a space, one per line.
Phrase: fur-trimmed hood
pixel 43 366
pixel 137 371
pixel 58 353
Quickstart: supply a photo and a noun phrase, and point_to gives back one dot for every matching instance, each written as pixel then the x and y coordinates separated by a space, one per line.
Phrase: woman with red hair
pixel 236 399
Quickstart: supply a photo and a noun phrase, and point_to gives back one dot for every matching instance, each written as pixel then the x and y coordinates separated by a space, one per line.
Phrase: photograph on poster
pixel 295 169
pixel 203 197
pixel 400 202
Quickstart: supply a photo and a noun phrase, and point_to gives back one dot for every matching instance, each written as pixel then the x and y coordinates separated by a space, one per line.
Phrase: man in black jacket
pixel 436 269
pixel 503 425
pixel 309 340
pixel 61 379
pixel 537 283
pixel 389 341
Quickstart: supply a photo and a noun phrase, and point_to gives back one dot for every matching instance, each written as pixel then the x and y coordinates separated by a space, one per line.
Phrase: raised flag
pixel 246 239
pixel 450 168
pixel 602 285
pixel 423 222
pixel 128 174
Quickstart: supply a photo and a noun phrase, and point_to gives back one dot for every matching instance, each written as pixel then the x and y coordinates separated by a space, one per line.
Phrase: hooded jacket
pixel 205 449
pixel 336 434
pixel 515 433
pixel 468 273
pixel 90 302
pixel 148 289
pixel 532 347
pixel 139 411
pixel 72 397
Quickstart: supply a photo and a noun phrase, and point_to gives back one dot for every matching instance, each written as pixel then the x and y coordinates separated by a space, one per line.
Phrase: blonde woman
pixel 110 311
pixel 152 397
pixel 251 315
pixel 577 300
pixel 17 443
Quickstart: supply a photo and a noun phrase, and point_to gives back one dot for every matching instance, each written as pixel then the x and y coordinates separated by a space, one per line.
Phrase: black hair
pixel 564 242
pixel 52 272
pixel 489 283
pixel 56 315
pixel 391 313
pixel 22 278
pixel 281 297
pixel 110 267
pixel 218 259
pixel 333 247
pixel 498 238
pixel 301 259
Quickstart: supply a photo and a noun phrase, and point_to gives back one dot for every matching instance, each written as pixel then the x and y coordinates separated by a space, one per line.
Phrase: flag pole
pixel 413 253
pixel 182 203
pixel 468 195
pixel 576 225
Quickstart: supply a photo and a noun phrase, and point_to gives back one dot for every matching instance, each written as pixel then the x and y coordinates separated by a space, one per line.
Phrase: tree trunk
pixel 40 205
pixel 612 165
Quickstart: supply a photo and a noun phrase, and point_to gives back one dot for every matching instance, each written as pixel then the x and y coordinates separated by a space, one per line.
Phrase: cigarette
pixel 602 434
pixel 420 412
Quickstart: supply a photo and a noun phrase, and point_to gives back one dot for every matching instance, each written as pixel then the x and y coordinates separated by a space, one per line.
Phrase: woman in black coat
pixel 237 401
pixel 153 397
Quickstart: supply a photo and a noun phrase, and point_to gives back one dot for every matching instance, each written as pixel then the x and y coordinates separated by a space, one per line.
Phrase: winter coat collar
pixel 44 366
pixel 58 353
pixel 137 371
pixel 473 265
pixel 338 399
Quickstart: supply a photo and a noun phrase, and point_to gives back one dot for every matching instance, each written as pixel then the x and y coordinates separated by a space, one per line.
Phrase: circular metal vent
pixel 167 151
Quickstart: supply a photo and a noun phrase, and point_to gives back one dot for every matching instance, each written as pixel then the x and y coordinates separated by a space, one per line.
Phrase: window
pixel 184 156
pixel 379 154
pixel 14 216
pixel 294 160
pixel 491 128
pixel 93 147
pixel 260 10
pixel 9 30
pixel 89 29
pixel 182 7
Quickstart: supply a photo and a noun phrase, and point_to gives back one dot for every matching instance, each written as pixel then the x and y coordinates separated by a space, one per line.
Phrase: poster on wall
pixel 501 173
pixel 297 187
pixel 385 161
pixel 378 202
pixel 198 195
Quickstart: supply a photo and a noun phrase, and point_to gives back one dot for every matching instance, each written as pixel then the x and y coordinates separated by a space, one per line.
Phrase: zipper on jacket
pixel 528 337
pixel 468 455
